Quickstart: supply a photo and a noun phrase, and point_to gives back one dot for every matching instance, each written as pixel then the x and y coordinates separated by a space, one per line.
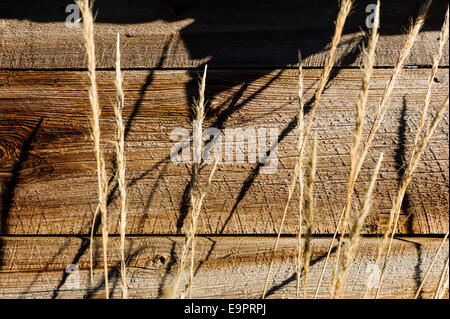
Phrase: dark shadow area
pixel 246 186
pixel 273 21
pixel 417 269
pixel 113 274
pixel 48 263
pixel 292 278
pixel 151 195
pixel 239 34
pixel 172 262
pixel 401 162
pixel 83 248
pixel 148 82
pixel 9 189
pixel 184 206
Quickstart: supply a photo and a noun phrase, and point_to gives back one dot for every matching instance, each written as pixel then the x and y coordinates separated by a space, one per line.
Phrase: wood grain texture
pixel 47 169
pixel 227 267
pixel 225 34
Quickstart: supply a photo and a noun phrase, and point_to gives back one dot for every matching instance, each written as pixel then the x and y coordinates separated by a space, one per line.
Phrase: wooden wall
pixel 47 167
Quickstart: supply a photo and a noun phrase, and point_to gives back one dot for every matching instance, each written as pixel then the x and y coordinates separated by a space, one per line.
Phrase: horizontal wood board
pixel 227 267
pixel 225 34
pixel 48 168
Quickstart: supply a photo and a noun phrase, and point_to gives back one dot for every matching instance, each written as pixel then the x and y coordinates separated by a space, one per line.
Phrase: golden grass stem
pixel 433 261
pixel 355 233
pixel 443 36
pixel 88 34
pixel 406 179
pixel 120 157
pixel 197 194
pixel 368 63
pixel 309 212
pixel 197 205
pixel 300 125
pixel 442 40
pixel 411 37
pixel 340 22
pixel 381 108
pixel 356 158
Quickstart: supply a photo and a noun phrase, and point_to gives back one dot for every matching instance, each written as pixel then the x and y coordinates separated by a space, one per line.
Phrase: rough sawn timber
pixel 227 267
pixel 48 168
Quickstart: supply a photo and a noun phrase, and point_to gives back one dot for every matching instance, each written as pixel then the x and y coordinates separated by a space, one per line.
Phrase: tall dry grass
pixel 420 141
pixel 300 127
pixel 355 153
pixel 443 282
pixel 433 261
pixel 406 179
pixel 344 11
pixel 379 115
pixel 196 197
pixel 120 158
pixel 437 58
pixel 355 233
pixel 356 156
pixel 196 194
pixel 308 204
pixel 102 181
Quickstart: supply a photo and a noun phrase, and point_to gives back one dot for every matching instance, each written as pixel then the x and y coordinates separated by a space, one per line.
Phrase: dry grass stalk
pixel 309 212
pixel 433 261
pixel 443 282
pixel 411 38
pixel 356 158
pixel 196 202
pixel 406 179
pixel 344 11
pixel 102 181
pixel 381 109
pixel 442 40
pixel 300 126
pixel 120 157
pixel 392 219
pixel 197 194
pixel 355 233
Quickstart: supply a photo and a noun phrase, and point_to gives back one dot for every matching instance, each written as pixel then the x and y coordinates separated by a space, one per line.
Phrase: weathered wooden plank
pixel 47 169
pixel 185 33
pixel 228 267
